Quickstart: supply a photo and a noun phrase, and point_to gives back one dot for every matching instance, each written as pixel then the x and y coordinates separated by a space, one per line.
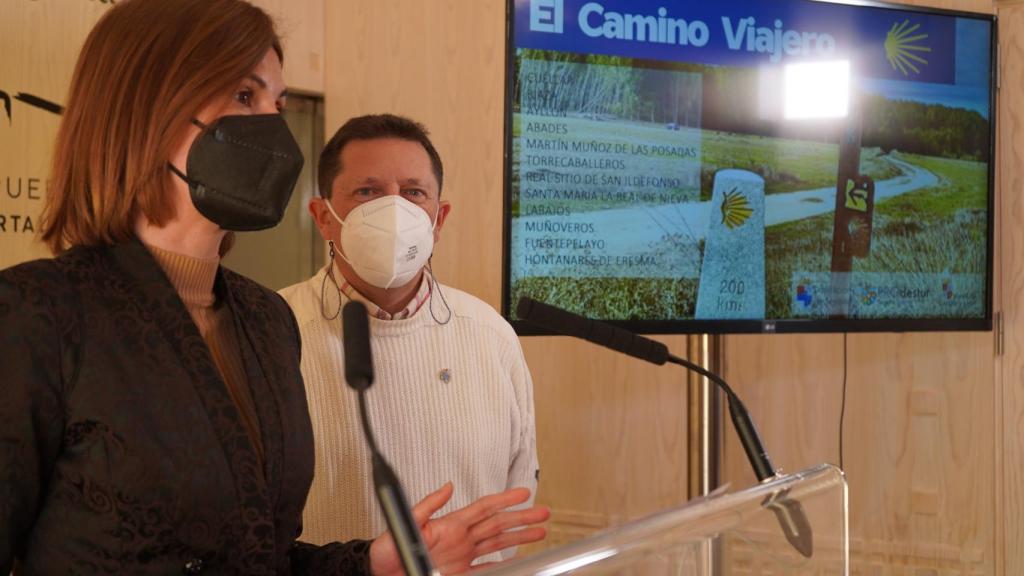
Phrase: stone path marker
pixel 732 273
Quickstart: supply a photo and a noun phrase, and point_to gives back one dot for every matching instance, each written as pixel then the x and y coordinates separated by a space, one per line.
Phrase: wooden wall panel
pixel 920 442
pixel 40 41
pixel 611 431
pixel 300 23
pixel 611 435
pixel 1011 183
pixel 439 62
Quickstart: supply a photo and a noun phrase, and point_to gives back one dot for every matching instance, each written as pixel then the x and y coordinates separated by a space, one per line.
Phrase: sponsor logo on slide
pixel 804 292
pixel 868 295
pixel 547 16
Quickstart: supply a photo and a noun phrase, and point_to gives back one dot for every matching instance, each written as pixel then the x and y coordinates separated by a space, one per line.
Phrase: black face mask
pixel 242 170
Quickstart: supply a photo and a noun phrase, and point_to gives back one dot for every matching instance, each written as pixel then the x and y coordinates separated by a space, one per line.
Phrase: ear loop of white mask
pixel 436 286
pixel 430 300
pixel 341 222
pixel 323 286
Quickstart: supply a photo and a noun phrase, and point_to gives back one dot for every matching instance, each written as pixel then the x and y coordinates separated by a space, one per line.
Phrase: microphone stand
pixel 752 445
pixel 705 434
pixel 789 512
pixel 704 420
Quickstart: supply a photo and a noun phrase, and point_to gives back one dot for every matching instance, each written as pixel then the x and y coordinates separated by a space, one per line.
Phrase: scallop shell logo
pixel 735 209
pixel 903 49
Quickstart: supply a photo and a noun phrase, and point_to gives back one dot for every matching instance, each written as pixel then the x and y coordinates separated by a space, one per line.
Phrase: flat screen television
pixel 750 165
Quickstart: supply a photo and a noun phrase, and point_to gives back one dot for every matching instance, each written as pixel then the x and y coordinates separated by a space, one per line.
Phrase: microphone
pixel 359 375
pixel 356 345
pixel 789 512
pixel 568 324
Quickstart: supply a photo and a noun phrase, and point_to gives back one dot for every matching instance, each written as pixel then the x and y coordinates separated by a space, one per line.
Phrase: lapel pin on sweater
pixel 445 375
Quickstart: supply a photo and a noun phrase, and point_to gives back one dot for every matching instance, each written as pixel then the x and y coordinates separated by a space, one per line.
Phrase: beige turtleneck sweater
pixel 193 279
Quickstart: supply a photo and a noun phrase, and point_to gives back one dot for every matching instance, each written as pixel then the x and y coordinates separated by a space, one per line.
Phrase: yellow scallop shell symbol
pixel 735 209
pixel 902 47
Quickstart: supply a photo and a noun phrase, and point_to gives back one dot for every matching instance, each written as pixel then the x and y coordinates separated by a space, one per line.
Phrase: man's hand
pixel 456 539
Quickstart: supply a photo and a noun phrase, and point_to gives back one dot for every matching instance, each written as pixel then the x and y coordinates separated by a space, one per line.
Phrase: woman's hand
pixel 457 538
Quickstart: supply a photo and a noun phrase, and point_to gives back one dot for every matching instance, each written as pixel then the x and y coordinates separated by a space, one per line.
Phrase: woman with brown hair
pixel 152 414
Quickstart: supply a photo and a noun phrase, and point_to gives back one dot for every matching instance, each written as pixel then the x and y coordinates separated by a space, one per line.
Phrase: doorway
pixel 292 251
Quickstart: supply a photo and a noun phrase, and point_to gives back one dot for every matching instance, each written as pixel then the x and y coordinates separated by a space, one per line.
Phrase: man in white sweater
pixel 452 398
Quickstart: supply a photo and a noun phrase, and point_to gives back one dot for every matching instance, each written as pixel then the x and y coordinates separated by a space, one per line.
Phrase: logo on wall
pixel 903 49
pixel 31 100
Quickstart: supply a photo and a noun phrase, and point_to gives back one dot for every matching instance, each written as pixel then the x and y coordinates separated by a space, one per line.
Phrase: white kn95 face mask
pixel 386 241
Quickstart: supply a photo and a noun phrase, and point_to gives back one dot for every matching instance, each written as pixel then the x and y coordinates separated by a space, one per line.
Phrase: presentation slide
pixel 749 160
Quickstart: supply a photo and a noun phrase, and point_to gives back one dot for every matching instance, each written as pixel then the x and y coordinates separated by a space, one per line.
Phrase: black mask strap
pixel 175 168
pixel 180 174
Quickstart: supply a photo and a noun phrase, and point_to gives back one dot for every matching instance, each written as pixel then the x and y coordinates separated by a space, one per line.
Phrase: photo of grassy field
pixel 788 165
pixel 928 232
pixel 614 298
pixel 935 230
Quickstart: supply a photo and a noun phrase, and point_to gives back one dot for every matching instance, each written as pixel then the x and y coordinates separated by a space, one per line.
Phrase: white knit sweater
pixel 476 430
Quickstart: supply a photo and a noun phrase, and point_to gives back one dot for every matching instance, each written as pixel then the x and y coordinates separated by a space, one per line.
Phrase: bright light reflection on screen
pixel 817 90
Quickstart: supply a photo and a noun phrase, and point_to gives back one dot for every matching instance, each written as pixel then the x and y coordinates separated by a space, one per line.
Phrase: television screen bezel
pixel 769 326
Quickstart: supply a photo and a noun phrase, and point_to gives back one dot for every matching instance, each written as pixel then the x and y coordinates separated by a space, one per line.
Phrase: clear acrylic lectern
pixel 792 524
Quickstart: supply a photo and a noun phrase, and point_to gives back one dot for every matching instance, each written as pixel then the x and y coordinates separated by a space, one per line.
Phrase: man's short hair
pixel 373 127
